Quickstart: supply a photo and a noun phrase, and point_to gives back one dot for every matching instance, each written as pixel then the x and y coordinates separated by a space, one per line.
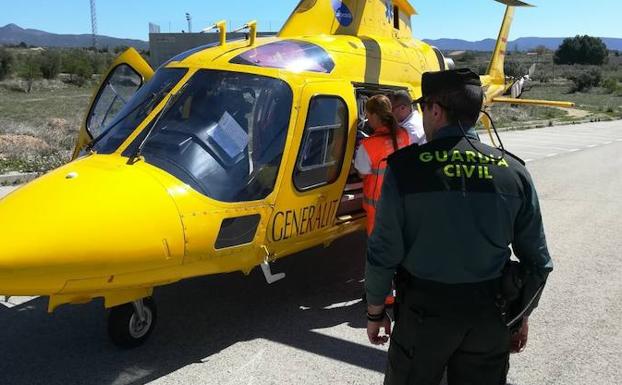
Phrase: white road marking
pixel 551 155
pixel 567 136
pixel 342 304
pixel 528 160
pixel 521 152
pixel 592 145
pixel 556 139
pixel 536 146
pixel 574 150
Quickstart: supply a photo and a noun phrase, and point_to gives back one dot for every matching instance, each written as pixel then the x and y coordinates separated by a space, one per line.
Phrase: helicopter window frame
pixel 363 92
pixel 103 87
pixel 302 171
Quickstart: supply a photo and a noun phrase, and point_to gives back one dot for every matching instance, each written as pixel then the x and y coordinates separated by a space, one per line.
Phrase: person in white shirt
pixel 408 117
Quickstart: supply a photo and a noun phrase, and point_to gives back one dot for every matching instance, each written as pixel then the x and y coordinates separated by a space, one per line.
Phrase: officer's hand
pixel 373 331
pixel 519 339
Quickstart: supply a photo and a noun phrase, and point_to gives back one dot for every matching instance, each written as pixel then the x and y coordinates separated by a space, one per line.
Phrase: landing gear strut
pixel 130 324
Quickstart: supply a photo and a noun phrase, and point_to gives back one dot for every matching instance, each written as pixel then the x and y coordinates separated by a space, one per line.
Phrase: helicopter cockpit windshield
pixel 224 135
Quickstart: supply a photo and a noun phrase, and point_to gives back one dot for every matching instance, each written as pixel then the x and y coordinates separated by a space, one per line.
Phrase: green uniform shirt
pixel 449 213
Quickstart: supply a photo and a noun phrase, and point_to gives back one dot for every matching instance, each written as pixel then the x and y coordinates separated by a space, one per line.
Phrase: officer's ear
pixel 437 110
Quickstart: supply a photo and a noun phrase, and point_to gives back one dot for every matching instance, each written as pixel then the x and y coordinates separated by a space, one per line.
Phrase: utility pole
pixel 94 24
pixel 189 19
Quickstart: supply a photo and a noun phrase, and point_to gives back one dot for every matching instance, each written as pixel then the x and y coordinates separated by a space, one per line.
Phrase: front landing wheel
pixel 130 325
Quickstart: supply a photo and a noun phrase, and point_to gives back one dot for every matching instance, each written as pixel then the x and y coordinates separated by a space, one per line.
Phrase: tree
pixel 50 64
pixel 582 50
pixel 78 64
pixel 29 70
pixel 7 61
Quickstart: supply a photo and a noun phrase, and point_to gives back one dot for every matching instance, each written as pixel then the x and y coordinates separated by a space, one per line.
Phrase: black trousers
pixel 453 327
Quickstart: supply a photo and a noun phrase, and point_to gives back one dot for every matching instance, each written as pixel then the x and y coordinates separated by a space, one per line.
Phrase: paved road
pixel 4 190
pixel 556 141
pixel 309 328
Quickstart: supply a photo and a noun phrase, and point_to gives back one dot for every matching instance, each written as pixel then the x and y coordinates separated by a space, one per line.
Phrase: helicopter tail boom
pixel 495 68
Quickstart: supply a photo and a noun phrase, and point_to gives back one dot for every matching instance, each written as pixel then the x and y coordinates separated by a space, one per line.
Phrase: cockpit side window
pixel 291 55
pixel 121 85
pixel 224 135
pixel 323 144
pixel 117 130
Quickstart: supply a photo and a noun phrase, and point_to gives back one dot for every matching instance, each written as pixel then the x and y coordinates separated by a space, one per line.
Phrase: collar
pixel 381 131
pixel 406 119
pixel 455 130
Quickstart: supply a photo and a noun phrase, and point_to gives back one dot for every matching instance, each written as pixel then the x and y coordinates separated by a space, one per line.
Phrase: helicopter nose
pixel 90 218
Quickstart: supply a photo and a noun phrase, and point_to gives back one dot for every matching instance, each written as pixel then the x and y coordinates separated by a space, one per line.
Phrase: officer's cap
pixel 440 82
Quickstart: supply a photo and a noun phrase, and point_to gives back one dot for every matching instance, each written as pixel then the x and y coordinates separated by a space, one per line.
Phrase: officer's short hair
pixel 459 92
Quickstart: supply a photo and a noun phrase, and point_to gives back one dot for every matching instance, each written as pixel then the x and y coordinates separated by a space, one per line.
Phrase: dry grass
pixel 38 130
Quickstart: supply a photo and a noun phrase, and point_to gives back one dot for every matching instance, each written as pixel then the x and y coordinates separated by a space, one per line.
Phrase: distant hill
pixel 522 44
pixel 14 34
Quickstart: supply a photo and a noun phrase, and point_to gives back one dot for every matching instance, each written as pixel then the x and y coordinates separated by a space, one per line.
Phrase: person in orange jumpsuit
pixel 371 156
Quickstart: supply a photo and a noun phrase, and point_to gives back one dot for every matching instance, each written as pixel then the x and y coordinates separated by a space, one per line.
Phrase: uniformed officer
pixel 448 212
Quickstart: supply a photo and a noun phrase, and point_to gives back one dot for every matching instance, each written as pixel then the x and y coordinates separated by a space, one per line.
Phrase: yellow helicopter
pixel 227 157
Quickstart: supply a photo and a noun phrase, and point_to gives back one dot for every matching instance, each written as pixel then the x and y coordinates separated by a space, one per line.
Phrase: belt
pixel 467 294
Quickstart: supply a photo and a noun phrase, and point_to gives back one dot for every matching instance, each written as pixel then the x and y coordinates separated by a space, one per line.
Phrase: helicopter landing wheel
pixel 130 324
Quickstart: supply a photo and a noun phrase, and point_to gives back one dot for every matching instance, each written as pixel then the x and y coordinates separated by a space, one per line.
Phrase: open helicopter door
pixel 128 72
pixel 318 166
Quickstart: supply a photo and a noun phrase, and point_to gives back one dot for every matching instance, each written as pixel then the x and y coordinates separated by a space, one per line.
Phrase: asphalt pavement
pixel 4 190
pixel 309 328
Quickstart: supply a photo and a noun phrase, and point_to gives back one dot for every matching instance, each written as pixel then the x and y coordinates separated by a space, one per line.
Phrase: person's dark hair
pixel 462 105
pixel 381 106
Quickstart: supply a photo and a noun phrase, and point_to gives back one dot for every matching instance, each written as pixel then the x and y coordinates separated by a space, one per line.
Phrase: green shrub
pixel 78 65
pixel 29 70
pixel 611 85
pixel 586 80
pixel 7 62
pixel 542 77
pixel 50 62
pixel 515 69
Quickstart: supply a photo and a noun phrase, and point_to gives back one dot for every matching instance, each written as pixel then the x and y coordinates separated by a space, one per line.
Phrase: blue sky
pixel 464 19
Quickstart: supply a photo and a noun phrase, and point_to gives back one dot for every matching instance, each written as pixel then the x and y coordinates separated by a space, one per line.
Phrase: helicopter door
pixel 326 121
pixel 126 75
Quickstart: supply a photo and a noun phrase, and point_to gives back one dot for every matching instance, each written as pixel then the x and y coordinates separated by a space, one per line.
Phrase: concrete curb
pixel 14 178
